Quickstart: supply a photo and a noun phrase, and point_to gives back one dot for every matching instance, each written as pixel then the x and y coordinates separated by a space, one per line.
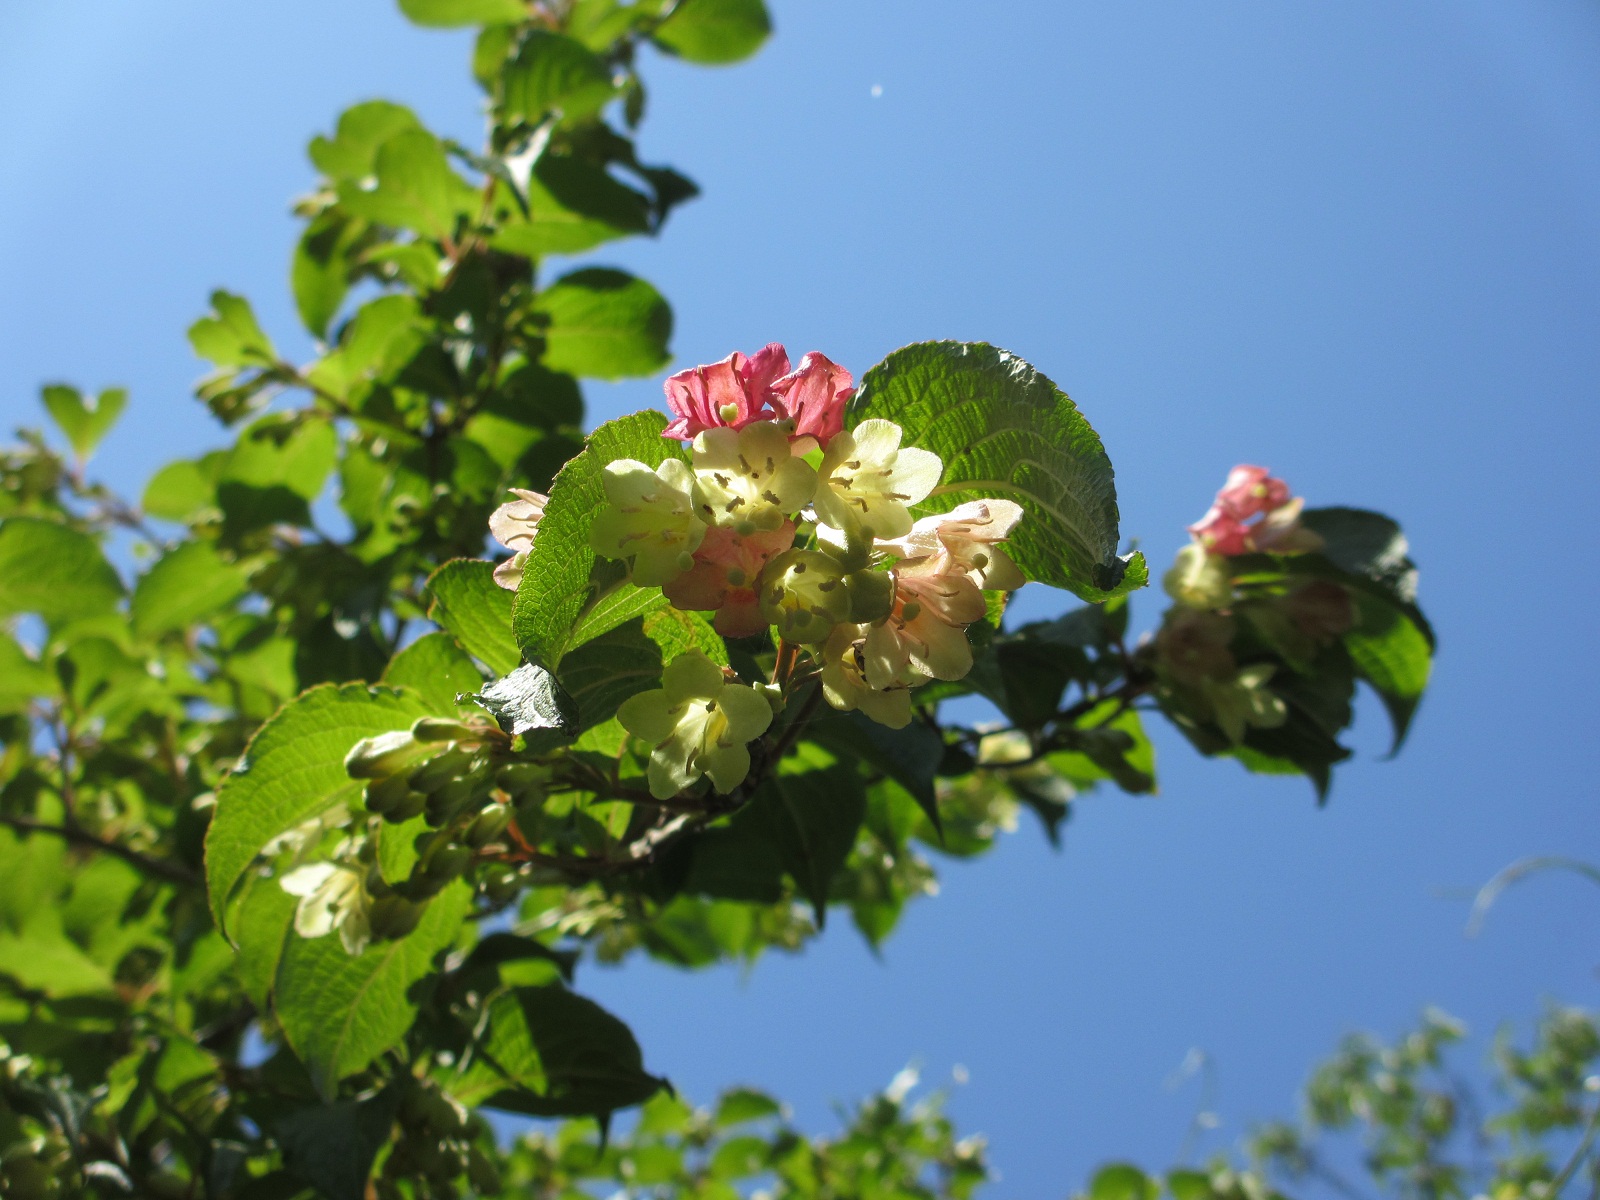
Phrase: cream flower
pixel 805 594
pixel 747 479
pixel 966 539
pixel 868 482
pixel 1199 578
pixel 926 633
pixel 699 723
pixel 331 897
pixel 1245 702
pixel 513 525
pixel 650 518
pixel 844 680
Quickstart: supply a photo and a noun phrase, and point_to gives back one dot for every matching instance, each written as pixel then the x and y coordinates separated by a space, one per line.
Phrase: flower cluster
pixel 1253 513
pixel 782 518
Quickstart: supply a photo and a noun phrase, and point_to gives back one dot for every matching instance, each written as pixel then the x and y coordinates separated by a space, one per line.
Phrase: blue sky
pixel 1357 243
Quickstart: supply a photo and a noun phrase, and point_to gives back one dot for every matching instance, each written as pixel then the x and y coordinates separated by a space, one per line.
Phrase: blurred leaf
pixel 331 1147
pixel 23 679
pixel 1123 1182
pixel 352 151
pixel 84 419
pixel 573 206
pixel 715 31
pixel 340 1011
pixel 415 187
pixel 231 337
pixel 464 12
pixel 464 598
pixel 184 585
pixel 1394 656
pixel 180 490
pixel 738 1106
pixel 53 572
pixel 811 814
pixel 292 771
pixel 604 324
pixel 320 273
pixel 551 73
pixel 910 756
pixel 1006 432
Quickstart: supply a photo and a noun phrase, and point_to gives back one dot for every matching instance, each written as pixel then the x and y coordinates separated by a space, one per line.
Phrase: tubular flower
pixel 723 578
pixel 731 393
pixel 699 724
pixel 650 518
pixel 1252 492
pixel 1244 702
pixel 867 481
pixel 966 540
pixel 844 680
pixel 331 897
pixel 925 634
pixel 805 593
pixel 513 525
pixel 814 398
pixel 748 478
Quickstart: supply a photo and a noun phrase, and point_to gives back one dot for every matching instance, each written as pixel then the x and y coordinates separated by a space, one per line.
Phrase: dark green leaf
pixel 84 419
pixel 340 1011
pixel 331 1147
pixel 627 660
pixel 1394 656
pixel 715 31
pixel 604 324
pixel 1005 431
pixel 52 571
pixel 573 205
pixel 464 598
pixel 909 756
pixel 550 1053
pixel 293 770
pixel 811 813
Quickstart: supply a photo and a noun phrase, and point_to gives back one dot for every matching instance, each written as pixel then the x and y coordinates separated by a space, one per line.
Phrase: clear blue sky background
pixel 1356 242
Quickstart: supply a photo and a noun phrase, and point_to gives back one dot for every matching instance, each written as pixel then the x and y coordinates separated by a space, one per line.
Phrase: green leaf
pixel 1123 1182
pixel 573 205
pixel 340 1011
pixel 1392 654
pixel 604 324
pixel 180 490
pixel 563 587
pixel 740 1105
pixel 909 756
pixel 331 1147
pixel 812 813
pixel 1365 543
pixel 184 585
pixel 715 31
pixel 437 669
pixel 550 1053
pixel 1006 432
pixel 622 662
pixel 446 13
pixel 352 152
pixel 320 273
pixel 293 770
pixel 261 915
pixel 47 962
pixel 23 679
pixel 84 419
pixel 551 73
pixel 53 572
pixel 415 189
pixel 278 466
pixel 464 598
pixel 231 337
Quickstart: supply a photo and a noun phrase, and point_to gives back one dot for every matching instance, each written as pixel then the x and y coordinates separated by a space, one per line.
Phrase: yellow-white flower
pixel 844 680
pixel 926 634
pixel 868 482
pixel 331 897
pixel 1199 578
pixel 650 518
pixel 699 723
pixel 748 479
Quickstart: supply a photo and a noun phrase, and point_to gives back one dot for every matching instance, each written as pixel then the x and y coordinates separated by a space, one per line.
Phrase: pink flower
pixel 723 578
pixel 925 635
pixel 814 397
pixel 1251 490
pixel 1221 533
pixel 732 393
pixel 513 525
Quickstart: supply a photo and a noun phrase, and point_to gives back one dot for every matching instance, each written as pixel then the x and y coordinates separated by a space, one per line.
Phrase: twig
pixel 164 868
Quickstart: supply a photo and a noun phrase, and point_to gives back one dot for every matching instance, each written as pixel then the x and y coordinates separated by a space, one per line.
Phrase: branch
pixel 160 867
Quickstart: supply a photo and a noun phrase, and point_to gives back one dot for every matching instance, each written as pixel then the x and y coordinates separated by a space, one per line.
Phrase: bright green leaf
pixel 1006 432
pixel 551 73
pixel 437 669
pixel 84 419
pixel 573 206
pixel 415 187
pixel 231 336
pixel 1394 656
pixel 1122 1182
pixel 293 770
pixel 52 571
pixel 184 585
pixel 445 13
pixel 353 150
pixel 715 31
pixel 320 274
pixel 604 324
pixel 464 598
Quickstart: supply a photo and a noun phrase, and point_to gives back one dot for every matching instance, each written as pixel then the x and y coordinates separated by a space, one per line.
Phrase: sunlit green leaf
pixel 465 599
pixel 53 571
pixel 604 324
pixel 715 31
pixel 84 419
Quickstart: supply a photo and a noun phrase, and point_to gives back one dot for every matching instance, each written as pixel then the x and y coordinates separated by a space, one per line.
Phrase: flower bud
pixel 522 779
pixel 393 917
pixel 442 729
pixel 384 795
pixel 871 596
pixel 381 756
pixel 488 825
pixel 440 770
pixel 409 806
pixel 445 862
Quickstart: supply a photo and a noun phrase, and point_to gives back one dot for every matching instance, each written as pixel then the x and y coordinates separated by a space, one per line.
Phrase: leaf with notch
pixel 1006 432
pixel 84 419
pixel 231 337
